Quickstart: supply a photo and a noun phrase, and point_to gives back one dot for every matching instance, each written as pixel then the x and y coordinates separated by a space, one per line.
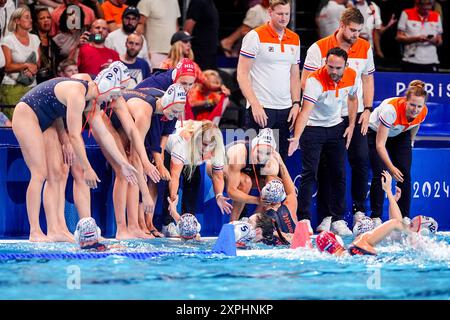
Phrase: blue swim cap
pixel 363 225
pixel 188 226
pixel 273 192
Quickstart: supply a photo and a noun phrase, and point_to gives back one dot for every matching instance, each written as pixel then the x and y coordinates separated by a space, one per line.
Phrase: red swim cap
pixel 184 68
pixel 327 241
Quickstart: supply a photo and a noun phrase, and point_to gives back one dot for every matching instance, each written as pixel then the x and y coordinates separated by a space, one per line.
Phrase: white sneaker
pixel 358 216
pixel 340 228
pixel 309 225
pixel 170 231
pixel 377 222
pixel 324 225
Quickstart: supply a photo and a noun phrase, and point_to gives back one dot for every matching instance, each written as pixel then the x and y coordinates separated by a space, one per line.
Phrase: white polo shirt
pixel 328 97
pixel 271 70
pixel 360 59
pixel 178 147
pixel 413 25
pixel 391 113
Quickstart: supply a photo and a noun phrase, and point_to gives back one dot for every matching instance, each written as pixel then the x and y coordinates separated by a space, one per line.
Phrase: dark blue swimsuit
pixel 149 95
pixel 160 80
pixel 283 217
pixel 43 101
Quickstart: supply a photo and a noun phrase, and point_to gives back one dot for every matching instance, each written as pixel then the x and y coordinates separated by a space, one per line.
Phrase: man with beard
pixel 321 130
pixel 94 56
pixel 116 39
pixel 139 69
pixel 360 59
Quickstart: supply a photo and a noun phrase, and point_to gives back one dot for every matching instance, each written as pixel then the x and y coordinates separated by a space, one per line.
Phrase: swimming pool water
pixel 398 272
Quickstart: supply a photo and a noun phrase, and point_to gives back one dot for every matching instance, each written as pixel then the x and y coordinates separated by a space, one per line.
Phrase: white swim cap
pixel 108 83
pixel 425 225
pixel 175 94
pixel 264 137
pixel 122 71
pixel 273 192
pixel 363 225
pixel 188 226
pixel 243 231
pixel 87 230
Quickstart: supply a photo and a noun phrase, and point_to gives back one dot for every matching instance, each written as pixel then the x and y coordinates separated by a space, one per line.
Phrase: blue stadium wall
pixel 430 172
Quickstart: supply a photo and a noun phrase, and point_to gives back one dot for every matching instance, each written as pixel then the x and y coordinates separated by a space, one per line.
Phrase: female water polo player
pixel 141 104
pixel 45 105
pixel 364 244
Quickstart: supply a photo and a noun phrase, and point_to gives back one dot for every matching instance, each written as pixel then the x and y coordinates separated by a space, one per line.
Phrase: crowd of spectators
pixel 41 38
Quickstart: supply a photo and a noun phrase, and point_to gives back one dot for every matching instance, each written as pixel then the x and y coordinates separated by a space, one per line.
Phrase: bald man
pixel 94 55
pixel 138 67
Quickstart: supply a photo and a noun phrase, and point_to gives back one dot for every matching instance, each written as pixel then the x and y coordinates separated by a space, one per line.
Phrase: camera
pixel 95 37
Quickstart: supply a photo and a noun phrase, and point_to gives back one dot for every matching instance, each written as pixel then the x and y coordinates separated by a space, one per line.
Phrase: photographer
pixel 94 55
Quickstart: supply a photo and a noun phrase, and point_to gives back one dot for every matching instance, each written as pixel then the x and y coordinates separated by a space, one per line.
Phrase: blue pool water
pixel 398 272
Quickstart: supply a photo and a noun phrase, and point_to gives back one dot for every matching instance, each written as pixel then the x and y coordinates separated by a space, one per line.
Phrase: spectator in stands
pixel 269 76
pixel 116 39
pixel 372 19
pixel 21 51
pixel 180 48
pixel 420 31
pixel 94 56
pixel 68 38
pixel 7 7
pixel 373 25
pixel 113 11
pixel 328 18
pixel 67 68
pixel 159 21
pixel 204 103
pixel 138 68
pixel 202 22
pixel 392 130
pixel 48 47
pixel 255 16
pixel 89 15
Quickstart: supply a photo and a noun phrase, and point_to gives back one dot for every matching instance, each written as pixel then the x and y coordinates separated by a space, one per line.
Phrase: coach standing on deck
pixel 269 75
pixel 360 59
pixel 321 129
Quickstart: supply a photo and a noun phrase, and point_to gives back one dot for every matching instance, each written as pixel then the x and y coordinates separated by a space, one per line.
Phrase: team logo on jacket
pixel 271 49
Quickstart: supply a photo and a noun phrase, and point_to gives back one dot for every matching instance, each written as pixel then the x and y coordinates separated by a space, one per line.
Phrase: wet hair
pixel 274 3
pixel 339 52
pixel 264 222
pixel 352 15
pixel 268 225
pixel 416 88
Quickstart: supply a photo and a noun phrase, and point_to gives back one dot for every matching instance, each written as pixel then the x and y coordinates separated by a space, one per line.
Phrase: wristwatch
pixel 296 102
pixel 368 108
